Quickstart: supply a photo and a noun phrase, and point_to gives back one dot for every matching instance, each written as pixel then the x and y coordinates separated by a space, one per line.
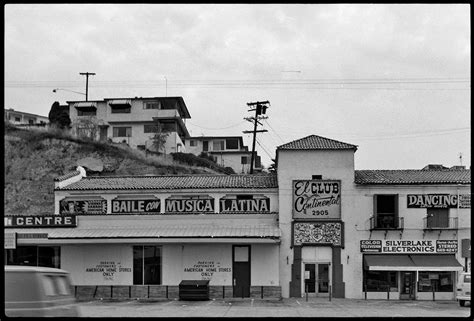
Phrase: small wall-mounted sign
pixel 10 240
pixel 40 221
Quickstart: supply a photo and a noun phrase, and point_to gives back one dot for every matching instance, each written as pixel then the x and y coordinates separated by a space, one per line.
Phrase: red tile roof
pixel 316 142
pixel 66 176
pixel 173 182
pixel 413 176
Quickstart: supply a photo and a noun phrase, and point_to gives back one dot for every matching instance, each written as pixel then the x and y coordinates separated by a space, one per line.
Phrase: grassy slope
pixel 34 158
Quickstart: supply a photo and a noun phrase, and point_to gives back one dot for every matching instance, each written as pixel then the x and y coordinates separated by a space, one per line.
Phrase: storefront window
pixel 48 256
pixel 437 281
pixel 147 264
pixel 380 281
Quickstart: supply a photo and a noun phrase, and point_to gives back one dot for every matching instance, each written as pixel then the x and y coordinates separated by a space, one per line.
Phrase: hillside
pixel 33 158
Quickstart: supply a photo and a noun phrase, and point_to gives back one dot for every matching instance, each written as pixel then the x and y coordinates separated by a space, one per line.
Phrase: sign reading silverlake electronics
pixel 319 199
pixel 438 201
pixel 189 205
pixel 136 206
pixel 409 246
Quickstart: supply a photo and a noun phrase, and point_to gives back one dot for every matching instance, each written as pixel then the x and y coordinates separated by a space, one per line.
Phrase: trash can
pixel 194 290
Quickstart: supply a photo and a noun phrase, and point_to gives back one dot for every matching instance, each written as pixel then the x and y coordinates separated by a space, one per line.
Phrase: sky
pixel 393 79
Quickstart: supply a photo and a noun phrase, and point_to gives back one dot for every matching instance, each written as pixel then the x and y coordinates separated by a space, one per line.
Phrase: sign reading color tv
pixel 318 199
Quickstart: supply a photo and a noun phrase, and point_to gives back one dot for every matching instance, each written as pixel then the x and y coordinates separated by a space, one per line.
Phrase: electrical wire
pixel 231 126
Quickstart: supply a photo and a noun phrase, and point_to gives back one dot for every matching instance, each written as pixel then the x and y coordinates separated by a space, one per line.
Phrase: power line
pixel 235 125
pixel 266 121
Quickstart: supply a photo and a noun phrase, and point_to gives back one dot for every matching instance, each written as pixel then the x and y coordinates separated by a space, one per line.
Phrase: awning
pixel 86 104
pixel 167 234
pixel 411 263
pixel 127 102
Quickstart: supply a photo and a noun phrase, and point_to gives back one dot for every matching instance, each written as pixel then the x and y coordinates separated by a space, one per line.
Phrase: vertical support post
pixel 75 291
pixel 111 291
pixel 388 291
pixel 148 294
pixel 223 291
pixel 129 291
pixel 306 291
pixel 261 291
pixel 330 292
pixel 167 292
pixel 95 291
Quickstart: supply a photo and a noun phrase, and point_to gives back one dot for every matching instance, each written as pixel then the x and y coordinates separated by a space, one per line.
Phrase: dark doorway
pixel 241 270
pixel 408 286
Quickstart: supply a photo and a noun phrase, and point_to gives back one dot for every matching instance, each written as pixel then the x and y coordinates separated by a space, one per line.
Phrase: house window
pixel 147 129
pixel 437 217
pixel 386 211
pixel 31 121
pixel 244 160
pixel 147 264
pixel 380 281
pixel 218 145
pixel 17 119
pixel 205 146
pixel 232 143
pixel 121 109
pixel 152 105
pixel 122 131
pixel 86 111
pixel 192 143
pixel 437 281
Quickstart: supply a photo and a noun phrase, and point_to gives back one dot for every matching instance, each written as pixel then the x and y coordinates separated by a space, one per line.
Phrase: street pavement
pixel 314 308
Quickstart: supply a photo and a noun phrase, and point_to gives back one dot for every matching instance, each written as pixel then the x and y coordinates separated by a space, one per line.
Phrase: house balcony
pixel 386 222
pixel 430 223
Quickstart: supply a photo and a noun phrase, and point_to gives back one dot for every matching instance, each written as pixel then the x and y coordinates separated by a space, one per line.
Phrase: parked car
pixel 463 289
pixel 32 291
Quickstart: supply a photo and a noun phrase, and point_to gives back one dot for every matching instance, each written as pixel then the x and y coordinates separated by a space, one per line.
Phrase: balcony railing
pixel 432 223
pixel 386 222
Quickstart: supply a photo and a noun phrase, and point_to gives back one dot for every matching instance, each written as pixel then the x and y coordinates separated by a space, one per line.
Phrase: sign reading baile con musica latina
pixel 136 206
pixel 319 199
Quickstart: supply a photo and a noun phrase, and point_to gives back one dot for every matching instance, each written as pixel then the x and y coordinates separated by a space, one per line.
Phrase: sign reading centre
pixel 319 199
pixel 409 246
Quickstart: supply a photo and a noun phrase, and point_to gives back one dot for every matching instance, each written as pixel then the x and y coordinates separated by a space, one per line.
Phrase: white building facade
pixel 318 228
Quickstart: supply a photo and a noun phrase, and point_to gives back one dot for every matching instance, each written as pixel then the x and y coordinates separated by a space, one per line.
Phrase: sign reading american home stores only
pixel 319 199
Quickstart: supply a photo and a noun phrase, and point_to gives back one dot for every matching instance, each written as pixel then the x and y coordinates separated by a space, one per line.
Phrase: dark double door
pixel 241 270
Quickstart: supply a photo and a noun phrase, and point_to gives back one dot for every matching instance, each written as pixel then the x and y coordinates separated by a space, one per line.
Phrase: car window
pixel 48 285
pixel 467 278
pixel 62 285
pixel 56 285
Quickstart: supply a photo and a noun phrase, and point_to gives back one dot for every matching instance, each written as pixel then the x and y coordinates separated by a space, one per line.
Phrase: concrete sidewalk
pixel 294 307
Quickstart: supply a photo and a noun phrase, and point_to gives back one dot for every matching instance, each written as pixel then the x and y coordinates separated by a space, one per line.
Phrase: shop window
pixel 48 256
pixel 122 131
pixel 437 281
pixel 386 211
pixel 147 265
pixel 380 281
pixel 232 143
pixel 437 217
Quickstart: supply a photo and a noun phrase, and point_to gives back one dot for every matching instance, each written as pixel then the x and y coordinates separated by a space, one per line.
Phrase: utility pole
pixel 87 74
pixel 260 109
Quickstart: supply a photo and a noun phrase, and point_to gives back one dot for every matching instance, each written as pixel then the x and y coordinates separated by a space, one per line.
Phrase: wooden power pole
pixel 260 108
pixel 87 74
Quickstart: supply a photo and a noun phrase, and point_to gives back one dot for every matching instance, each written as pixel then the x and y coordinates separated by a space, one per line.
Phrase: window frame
pixel 434 216
pixel 386 219
pixel 116 131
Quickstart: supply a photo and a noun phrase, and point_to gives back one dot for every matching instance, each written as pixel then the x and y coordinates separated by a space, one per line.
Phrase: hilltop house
pixel 20 118
pixel 227 151
pixel 133 121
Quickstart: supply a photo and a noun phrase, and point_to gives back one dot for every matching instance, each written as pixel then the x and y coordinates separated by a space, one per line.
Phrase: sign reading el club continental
pixel 409 246
pixel 136 206
pixel 319 199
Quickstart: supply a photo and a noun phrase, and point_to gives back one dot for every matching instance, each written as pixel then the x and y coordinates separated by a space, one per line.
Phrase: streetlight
pixel 77 92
